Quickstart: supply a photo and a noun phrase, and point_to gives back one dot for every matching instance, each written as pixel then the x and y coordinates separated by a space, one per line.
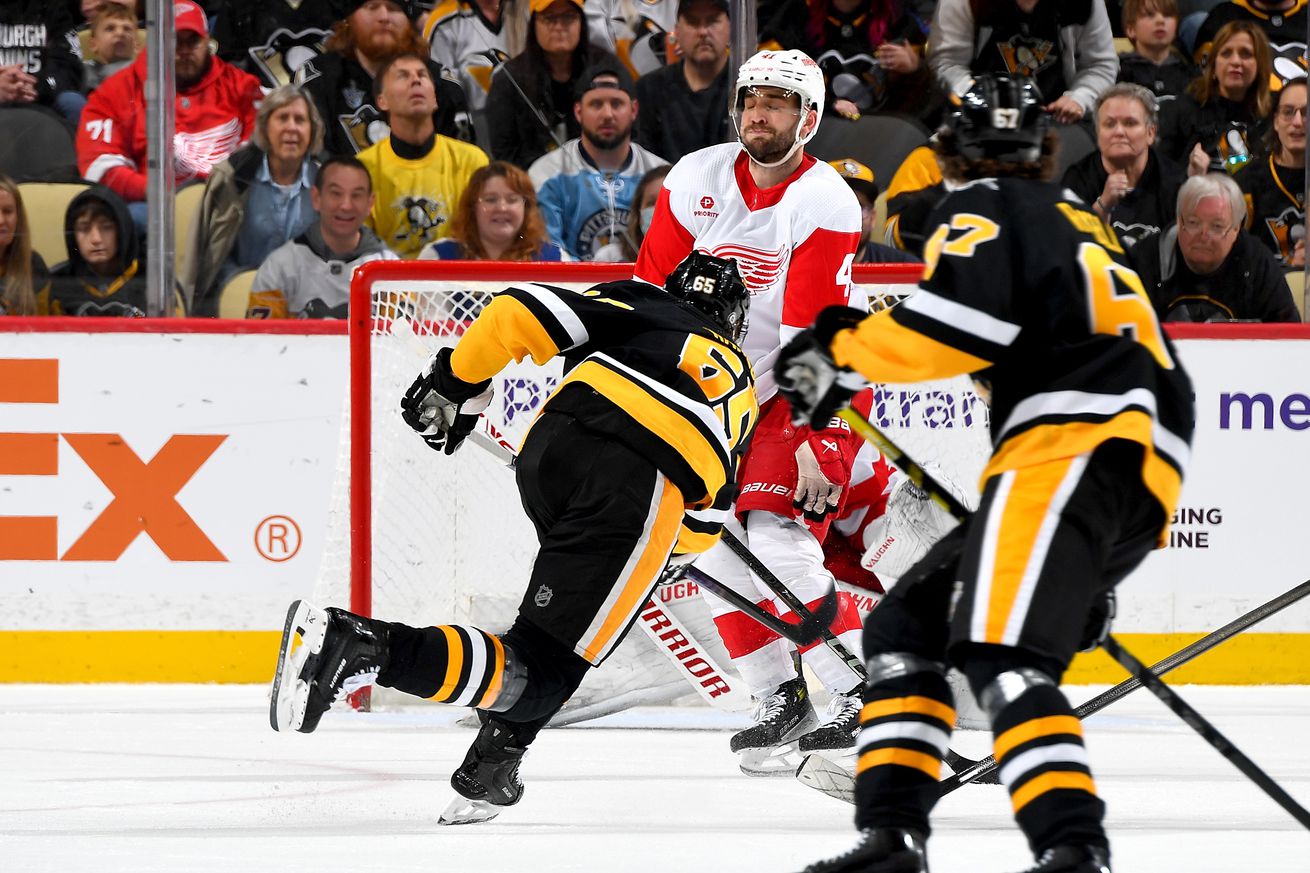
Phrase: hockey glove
pixel 807 375
pixel 441 407
pixel 822 471
pixel 1099 619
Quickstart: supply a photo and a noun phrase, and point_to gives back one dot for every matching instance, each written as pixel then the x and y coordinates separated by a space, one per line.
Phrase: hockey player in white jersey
pixel 792 224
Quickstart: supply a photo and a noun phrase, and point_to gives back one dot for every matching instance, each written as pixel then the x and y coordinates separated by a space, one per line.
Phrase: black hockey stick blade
pixel 988 765
pixel 802 634
pixel 795 604
pixel 1208 732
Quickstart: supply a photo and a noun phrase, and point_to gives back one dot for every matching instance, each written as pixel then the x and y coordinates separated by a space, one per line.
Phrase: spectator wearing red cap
pixel 214 113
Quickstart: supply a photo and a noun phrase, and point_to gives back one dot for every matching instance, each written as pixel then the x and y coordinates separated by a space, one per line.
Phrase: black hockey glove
pixel 441 407
pixel 1099 618
pixel 807 375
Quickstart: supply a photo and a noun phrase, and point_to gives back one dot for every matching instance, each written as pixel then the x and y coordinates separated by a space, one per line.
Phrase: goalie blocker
pixel 632 455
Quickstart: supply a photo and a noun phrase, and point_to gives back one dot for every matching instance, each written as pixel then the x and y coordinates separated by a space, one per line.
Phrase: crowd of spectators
pixel 331 133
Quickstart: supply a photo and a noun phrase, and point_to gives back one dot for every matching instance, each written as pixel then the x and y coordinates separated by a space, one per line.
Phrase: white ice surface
pixel 191 779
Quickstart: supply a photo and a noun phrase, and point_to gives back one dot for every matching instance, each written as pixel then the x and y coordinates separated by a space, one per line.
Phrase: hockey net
pixel 418 537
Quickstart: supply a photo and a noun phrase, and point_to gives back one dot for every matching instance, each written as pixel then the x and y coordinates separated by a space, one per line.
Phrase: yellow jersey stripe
pixel 898 354
pixel 454 663
pixel 1052 781
pixel 497 677
pixel 1033 729
pixel 915 705
pixel 927 764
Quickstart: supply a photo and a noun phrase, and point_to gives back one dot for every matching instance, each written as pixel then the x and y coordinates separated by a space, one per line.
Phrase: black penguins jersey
pixel 640 367
pixel 1275 208
pixel 1026 288
pixel 1285 28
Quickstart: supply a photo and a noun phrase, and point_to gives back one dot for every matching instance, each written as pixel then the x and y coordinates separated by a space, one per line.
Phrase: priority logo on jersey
pixel 760 269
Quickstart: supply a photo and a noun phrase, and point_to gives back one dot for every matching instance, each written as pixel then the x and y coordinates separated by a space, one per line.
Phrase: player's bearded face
pixel 767 123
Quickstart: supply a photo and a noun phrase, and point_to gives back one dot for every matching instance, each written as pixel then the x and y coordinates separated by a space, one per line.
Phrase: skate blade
pixel 302 637
pixel 462 811
pixel 828 777
pixel 777 761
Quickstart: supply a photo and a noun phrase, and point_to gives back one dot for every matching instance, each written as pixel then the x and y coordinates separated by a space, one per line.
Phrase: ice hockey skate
pixel 769 747
pixel 879 850
pixel 837 733
pixel 325 655
pixel 488 780
pixel 1073 859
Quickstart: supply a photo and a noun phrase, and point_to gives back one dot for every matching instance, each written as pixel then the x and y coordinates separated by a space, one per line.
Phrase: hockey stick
pixel 1176 704
pixel 809 629
pixel 1208 731
pixel 1160 668
pixel 795 604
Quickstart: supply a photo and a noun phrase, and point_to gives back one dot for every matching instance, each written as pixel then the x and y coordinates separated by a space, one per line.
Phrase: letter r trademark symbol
pixel 277 538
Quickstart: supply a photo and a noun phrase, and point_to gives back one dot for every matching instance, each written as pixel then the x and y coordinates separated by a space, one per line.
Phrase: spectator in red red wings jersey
pixel 214 113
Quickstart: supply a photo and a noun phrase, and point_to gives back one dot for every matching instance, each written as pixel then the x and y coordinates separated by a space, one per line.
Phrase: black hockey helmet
pixel 1000 117
pixel 714 286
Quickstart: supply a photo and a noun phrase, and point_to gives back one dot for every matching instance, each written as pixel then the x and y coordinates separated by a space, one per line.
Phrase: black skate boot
pixel 768 747
pixel 325 655
pixel 488 780
pixel 880 850
pixel 838 732
pixel 1071 858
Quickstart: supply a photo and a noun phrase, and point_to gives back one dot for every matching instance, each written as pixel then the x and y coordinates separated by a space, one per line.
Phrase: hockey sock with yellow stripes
pixel 905 728
pixel 1043 764
pixel 451 663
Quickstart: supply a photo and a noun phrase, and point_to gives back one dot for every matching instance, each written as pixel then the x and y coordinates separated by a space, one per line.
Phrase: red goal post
pixel 420 537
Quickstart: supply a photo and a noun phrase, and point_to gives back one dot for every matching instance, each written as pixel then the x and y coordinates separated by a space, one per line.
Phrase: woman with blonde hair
pixel 1219 122
pixel 24 282
pixel 497 219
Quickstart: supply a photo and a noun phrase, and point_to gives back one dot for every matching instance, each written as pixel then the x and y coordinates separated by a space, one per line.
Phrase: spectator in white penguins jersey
pixel 309 277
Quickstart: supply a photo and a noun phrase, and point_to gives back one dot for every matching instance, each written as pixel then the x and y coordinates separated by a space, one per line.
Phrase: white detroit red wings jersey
pixel 794 243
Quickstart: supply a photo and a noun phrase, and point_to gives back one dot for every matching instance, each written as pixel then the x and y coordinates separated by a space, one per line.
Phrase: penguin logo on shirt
pixel 423 216
pixel 1280 230
pixel 1024 56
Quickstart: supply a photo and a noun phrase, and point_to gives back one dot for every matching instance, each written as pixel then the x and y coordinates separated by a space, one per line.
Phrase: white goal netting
pixel 449 539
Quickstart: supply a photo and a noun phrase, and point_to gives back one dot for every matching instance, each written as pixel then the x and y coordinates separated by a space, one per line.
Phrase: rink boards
pixel 164 490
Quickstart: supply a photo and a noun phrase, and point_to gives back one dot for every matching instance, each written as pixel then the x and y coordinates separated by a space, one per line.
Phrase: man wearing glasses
pixel 1207 268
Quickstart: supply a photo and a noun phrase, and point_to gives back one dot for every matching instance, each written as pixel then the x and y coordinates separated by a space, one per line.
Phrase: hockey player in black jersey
pixel 1091 424
pixel 629 465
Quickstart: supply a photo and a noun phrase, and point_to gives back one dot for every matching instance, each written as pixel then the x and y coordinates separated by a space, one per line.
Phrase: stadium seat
pixel 1296 282
pixel 186 208
pixel 235 297
pixel 46 203
pixel 37 146
pixel 880 142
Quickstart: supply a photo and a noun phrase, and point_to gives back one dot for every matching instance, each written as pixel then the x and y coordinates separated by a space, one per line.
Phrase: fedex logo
pixel 144 491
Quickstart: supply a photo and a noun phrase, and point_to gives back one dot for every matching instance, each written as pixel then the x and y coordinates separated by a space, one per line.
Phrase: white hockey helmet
pixel 790 70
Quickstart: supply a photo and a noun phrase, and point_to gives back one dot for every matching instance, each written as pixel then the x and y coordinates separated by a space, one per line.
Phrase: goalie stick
pixel 1135 667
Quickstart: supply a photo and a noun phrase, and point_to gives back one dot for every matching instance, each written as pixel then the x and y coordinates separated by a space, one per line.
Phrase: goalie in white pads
pixel 630 462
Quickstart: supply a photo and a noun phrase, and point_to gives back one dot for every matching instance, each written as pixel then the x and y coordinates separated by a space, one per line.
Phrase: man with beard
pixel 213 114
pixel 419 174
pixel 684 101
pixel 585 188
pixel 792 224
pixel 341 80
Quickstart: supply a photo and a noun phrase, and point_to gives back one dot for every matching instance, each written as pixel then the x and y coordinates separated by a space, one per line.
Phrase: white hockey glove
pixel 441 407
pixel 807 375
pixel 911 525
